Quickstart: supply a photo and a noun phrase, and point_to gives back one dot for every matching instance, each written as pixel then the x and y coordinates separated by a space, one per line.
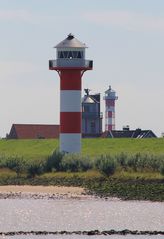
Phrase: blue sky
pixel 126 43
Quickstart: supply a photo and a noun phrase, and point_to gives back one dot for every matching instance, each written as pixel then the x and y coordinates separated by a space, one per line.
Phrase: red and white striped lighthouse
pixel 110 97
pixel 70 64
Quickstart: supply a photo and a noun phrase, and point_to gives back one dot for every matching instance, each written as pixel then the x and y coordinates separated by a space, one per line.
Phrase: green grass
pixel 39 149
pixel 116 146
pixel 29 149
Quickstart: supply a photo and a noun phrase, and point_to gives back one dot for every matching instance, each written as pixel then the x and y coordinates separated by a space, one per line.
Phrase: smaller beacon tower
pixel 70 65
pixel 110 97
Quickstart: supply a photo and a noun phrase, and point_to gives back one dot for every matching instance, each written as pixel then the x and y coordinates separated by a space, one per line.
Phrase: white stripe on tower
pixel 70 100
pixel 68 142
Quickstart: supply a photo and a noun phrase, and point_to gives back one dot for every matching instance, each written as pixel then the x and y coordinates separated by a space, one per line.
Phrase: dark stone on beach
pixel 105 233
pixel 95 232
pixel 134 232
pixel 124 232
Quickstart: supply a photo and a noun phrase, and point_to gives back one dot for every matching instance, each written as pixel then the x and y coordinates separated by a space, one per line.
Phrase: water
pixel 80 215
pixel 85 237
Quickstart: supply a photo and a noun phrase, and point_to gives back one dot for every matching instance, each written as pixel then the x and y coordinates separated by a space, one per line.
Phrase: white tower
pixel 110 97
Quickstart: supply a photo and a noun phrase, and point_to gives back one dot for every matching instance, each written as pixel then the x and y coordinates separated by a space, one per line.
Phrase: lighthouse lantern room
pixel 70 64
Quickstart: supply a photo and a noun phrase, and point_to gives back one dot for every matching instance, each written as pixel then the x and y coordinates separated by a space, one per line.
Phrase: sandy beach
pixel 23 191
pixel 41 189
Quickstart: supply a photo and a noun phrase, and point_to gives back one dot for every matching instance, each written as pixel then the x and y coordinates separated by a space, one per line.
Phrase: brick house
pixel 33 131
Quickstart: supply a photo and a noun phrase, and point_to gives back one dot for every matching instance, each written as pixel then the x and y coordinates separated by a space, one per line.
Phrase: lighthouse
pixel 70 65
pixel 110 98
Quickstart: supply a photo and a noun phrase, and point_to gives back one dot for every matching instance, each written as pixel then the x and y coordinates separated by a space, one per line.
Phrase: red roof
pixel 33 131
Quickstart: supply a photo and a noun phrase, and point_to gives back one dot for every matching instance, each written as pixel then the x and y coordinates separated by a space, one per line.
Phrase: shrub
pixel 75 163
pixel 35 168
pixel 106 165
pixel 157 163
pixel 144 162
pixel 2 161
pixel 16 164
pixel 132 162
pixel 54 161
pixel 162 170
pixel 122 160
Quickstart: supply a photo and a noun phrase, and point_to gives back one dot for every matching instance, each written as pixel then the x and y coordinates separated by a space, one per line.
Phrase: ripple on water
pixel 84 214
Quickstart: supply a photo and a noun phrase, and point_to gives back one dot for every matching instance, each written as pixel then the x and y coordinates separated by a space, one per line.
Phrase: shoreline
pixel 48 192
pixel 75 186
pixel 42 189
pixel 41 192
pixel 55 193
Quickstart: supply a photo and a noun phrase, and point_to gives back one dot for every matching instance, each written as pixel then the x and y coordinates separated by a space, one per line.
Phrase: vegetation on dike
pixel 127 174
pixel 41 148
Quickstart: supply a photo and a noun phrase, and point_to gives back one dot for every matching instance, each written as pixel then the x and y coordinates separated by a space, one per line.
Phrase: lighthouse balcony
pixel 110 97
pixel 72 63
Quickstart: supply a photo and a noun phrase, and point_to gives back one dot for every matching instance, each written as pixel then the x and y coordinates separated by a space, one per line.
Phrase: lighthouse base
pixel 70 143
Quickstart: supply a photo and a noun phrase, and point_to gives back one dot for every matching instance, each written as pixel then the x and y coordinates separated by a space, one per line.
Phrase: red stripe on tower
pixel 70 80
pixel 70 122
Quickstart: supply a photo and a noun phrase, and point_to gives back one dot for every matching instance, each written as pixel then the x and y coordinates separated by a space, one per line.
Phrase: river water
pixel 80 215
pixel 83 237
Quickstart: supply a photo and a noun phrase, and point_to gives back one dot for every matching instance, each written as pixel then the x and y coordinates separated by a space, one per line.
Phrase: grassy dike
pixel 41 148
pixel 126 184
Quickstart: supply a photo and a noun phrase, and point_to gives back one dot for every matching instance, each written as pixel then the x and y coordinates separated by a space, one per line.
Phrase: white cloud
pixel 127 20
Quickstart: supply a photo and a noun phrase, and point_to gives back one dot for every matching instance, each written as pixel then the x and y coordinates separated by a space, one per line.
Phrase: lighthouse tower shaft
pixel 110 98
pixel 70 65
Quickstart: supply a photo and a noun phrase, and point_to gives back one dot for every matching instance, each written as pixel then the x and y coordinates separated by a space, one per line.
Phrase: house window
pixel 86 108
pixel 93 127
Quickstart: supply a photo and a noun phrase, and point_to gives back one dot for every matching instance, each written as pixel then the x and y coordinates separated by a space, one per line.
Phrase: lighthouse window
pixel 65 53
pixel 60 54
pixel 70 54
pixel 74 53
pixel 79 54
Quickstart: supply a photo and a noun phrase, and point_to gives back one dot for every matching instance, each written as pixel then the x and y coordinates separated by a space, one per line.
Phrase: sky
pixel 125 40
